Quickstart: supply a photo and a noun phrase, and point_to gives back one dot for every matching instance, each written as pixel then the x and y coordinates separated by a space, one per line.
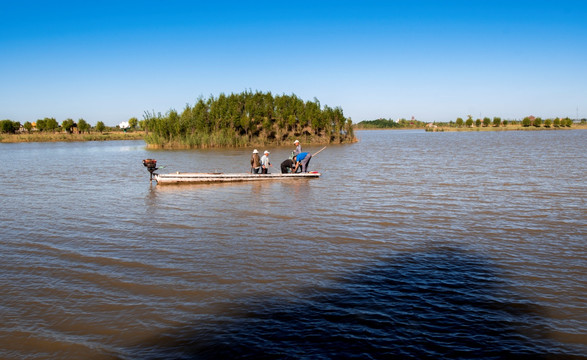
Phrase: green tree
pixel 526 121
pixel 51 124
pixel 547 123
pixel 459 122
pixel 9 126
pixel 557 122
pixel 486 121
pixel 496 121
pixel 568 122
pixel 28 126
pixel 469 121
pixel 133 122
pixel 478 123
pixel 100 126
pixel 67 125
pixel 41 125
pixel 537 122
pixel 83 126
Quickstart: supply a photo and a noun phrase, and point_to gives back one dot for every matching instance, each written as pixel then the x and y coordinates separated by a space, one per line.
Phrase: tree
pixel 547 123
pixel 41 124
pixel 67 125
pixel 83 126
pixel 486 121
pixel 469 122
pixel 459 122
pixel 47 124
pixel 537 122
pixel 526 121
pixel 478 123
pixel 557 122
pixel 51 124
pixel 100 126
pixel 496 121
pixel 133 122
pixel 28 126
pixel 9 126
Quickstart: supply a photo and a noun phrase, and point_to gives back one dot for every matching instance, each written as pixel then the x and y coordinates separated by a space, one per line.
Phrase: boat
pixel 176 178
pixel 191 178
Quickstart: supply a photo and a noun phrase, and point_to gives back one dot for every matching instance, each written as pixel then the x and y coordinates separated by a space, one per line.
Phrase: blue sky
pixel 434 60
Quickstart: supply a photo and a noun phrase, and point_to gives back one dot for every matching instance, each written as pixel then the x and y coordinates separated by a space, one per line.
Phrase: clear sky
pixel 434 60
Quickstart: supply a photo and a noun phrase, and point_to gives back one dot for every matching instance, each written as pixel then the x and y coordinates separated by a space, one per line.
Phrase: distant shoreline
pixel 474 128
pixel 65 137
pixel 140 135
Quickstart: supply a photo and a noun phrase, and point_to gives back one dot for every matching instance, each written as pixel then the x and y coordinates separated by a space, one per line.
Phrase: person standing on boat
pixel 302 159
pixel 298 149
pixel 265 162
pixel 255 162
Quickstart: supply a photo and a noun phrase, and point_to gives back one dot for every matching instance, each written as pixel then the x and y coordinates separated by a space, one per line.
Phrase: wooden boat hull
pixel 191 178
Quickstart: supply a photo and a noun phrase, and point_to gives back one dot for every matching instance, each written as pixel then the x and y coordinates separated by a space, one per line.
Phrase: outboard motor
pixel 151 165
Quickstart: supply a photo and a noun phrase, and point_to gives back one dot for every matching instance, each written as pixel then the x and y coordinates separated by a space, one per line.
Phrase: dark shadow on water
pixel 425 305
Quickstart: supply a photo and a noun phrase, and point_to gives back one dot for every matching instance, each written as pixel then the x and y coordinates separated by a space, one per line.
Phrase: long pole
pixel 317 152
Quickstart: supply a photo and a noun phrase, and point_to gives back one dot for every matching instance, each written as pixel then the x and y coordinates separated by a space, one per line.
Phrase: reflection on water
pixel 441 303
pixel 411 244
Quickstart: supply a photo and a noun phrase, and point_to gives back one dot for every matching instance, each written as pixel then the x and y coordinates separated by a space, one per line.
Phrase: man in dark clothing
pixel 287 166
pixel 255 162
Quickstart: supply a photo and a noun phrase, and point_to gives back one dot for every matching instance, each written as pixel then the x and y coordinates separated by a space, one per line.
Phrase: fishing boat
pixel 228 177
pixel 191 178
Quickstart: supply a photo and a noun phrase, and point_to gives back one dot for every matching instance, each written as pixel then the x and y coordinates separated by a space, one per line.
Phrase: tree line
pixel 50 125
pixel 247 118
pixel 468 122
pixel 525 122
pixel 382 123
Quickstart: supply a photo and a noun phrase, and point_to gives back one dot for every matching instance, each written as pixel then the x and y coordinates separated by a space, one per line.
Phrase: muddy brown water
pixel 411 244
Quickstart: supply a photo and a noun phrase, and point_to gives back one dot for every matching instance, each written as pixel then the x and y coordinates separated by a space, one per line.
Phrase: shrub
pixel 568 122
pixel 557 122
pixel 9 126
pixel 100 126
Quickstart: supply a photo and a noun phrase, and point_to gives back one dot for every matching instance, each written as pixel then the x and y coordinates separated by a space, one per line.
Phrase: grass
pixel 65 137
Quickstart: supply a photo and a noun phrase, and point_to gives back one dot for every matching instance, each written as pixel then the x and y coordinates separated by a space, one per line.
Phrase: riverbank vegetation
pixel 49 130
pixel 65 137
pixel 389 124
pixel 470 124
pixel 247 119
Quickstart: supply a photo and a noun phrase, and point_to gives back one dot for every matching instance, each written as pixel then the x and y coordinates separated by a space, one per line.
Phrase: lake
pixel 411 245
